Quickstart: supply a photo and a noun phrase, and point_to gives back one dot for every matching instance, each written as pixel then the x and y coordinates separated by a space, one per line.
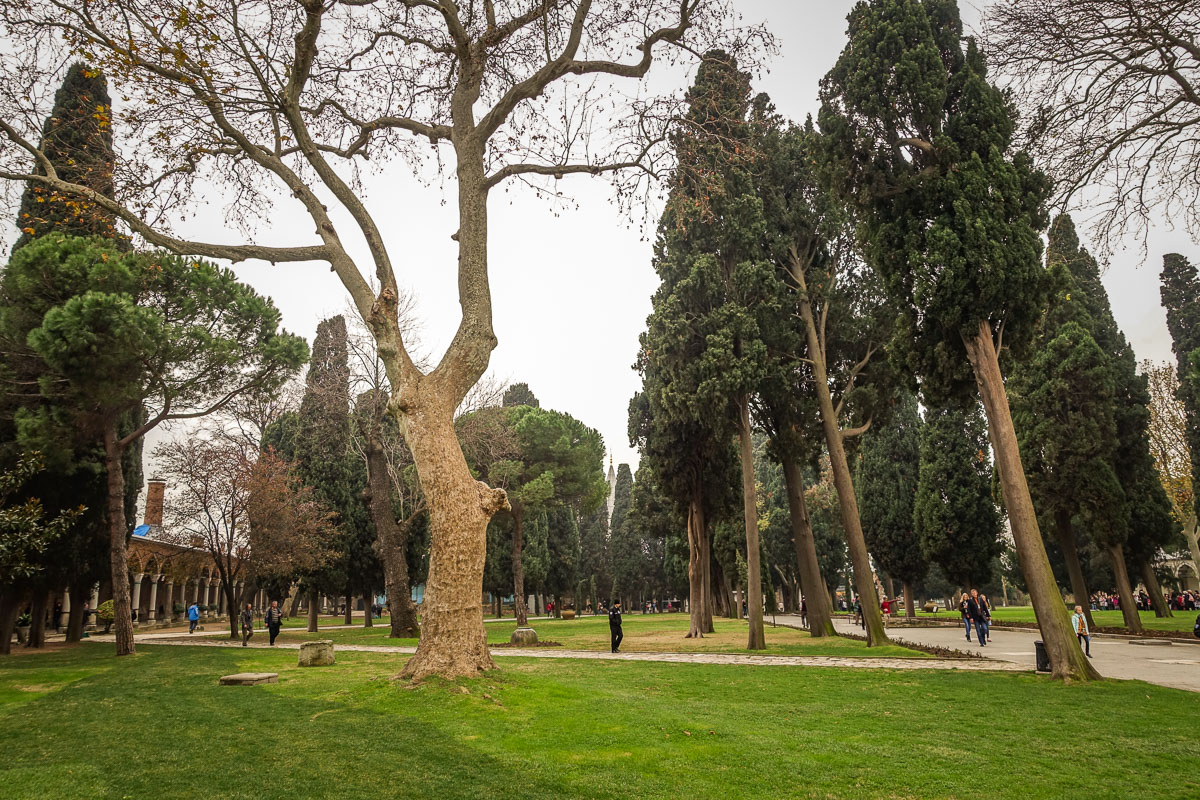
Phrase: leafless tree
pixel 1110 91
pixel 1168 445
pixel 286 100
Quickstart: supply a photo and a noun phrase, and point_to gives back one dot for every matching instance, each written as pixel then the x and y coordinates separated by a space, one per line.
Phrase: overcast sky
pixel 571 288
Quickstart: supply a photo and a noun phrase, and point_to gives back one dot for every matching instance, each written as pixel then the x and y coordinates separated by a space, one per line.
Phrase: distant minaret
pixel 612 488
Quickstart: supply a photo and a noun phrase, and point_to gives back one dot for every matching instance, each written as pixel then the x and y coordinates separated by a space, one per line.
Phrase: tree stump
pixel 523 637
pixel 317 653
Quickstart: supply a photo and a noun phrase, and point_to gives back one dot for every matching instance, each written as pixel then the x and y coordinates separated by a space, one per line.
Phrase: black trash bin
pixel 1043 660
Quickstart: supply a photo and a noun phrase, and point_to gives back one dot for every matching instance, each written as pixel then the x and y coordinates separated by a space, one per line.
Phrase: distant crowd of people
pixel 1178 600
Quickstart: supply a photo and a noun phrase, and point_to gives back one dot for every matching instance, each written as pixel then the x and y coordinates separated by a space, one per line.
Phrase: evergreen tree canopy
pixel 956 519
pixel 77 139
pixel 1181 298
pixel 519 394
pixel 888 475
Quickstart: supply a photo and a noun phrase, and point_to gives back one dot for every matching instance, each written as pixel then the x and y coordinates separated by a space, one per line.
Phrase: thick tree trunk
pixel 891 587
pixel 453 640
pixel 1066 543
pixel 234 603
pixel 314 611
pixel 1161 609
pixel 1067 661
pixel 706 571
pixel 699 574
pixel 910 610
pixel 842 481
pixel 754 600
pixel 1133 620
pixel 348 616
pixel 812 585
pixel 518 570
pixel 295 604
pixel 118 560
pixel 722 592
pixel 11 601
pixel 37 619
pixel 1190 532
pixel 368 610
pixel 79 595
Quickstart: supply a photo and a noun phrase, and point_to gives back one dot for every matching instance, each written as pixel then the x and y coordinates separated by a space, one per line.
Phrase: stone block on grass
pixel 523 637
pixel 249 678
pixel 318 653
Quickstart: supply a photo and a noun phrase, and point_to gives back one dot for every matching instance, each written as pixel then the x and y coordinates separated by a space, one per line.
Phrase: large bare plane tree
pixel 287 99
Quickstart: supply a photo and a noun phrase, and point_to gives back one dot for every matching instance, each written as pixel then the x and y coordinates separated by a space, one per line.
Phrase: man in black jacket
pixel 273 619
pixel 614 626
pixel 977 615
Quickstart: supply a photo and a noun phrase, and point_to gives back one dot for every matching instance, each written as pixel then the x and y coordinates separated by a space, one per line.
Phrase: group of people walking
pixel 976 612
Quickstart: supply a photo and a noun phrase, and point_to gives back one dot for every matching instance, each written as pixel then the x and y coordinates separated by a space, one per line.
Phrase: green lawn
pixel 1182 621
pixel 82 723
pixel 643 633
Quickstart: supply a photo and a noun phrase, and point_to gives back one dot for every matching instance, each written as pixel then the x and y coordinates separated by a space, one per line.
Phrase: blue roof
pixel 141 530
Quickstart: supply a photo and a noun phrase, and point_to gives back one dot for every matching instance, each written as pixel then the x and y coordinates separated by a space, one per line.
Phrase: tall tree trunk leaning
pixel 518 570
pixel 391 542
pixel 1066 543
pixel 79 595
pixel 1067 661
pixel 754 600
pixel 812 585
pixel 910 611
pixel 118 560
pixel 699 573
pixel 842 481
pixel 1133 620
pixel 1161 609
pixel 314 611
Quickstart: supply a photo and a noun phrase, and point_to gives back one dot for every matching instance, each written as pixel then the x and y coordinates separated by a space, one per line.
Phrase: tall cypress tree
pixel 1181 298
pixel 956 519
pixel 78 141
pixel 624 546
pixel 921 144
pixel 888 474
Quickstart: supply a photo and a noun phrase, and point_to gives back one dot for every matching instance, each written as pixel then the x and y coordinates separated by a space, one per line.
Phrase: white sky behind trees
pixel 571 286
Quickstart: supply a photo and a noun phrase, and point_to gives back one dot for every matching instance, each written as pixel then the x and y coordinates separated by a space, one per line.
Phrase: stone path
pixel 1176 666
pixel 969 665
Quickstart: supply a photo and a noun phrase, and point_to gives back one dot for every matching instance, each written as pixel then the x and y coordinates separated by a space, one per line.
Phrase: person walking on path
pixel 614 626
pixel 1080 626
pixel 193 617
pixel 804 612
pixel 975 611
pixel 274 618
pixel 247 623
pixel 964 608
pixel 986 607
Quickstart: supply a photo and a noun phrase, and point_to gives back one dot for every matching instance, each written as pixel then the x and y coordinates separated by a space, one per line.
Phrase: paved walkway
pixel 1176 665
pixel 972 665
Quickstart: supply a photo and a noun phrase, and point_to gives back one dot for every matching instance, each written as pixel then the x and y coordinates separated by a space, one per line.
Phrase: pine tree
pixel 1181 298
pixel 77 139
pixel 519 394
pixel 956 520
pixel 888 474
pixel 921 145
pixel 624 547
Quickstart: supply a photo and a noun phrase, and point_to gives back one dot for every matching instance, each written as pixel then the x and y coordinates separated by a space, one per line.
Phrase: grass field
pixel 81 723
pixel 1182 621
pixel 643 633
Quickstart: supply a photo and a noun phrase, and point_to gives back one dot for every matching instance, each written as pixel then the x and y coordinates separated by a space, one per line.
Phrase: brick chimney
pixel 154 501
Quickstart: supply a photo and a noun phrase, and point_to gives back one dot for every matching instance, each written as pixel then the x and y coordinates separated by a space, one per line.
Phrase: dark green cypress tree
pixel 77 139
pixel 1181 298
pixel 595 568
pixel 888 473
pixel 624 547
pixel 956 519
pixel 921 144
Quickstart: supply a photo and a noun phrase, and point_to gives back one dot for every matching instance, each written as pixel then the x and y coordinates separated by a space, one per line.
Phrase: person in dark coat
pixel 247 623
pixel 274 618
pixel 977 615
pixel 614 626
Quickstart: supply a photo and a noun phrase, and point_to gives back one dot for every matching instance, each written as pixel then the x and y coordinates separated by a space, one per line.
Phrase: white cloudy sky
pixel 572 289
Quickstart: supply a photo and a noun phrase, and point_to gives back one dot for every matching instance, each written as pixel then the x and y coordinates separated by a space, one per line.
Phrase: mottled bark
pixel 118 558
pixel 1066 542
pixel 453 640
pixel 1133 620
pixel 1067 661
